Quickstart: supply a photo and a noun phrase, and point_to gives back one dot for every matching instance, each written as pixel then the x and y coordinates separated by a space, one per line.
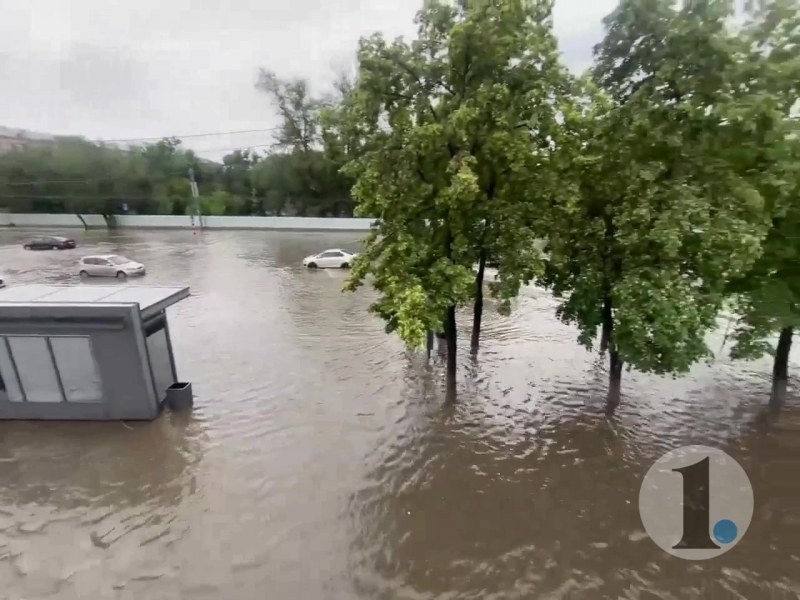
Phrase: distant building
pixel 11 139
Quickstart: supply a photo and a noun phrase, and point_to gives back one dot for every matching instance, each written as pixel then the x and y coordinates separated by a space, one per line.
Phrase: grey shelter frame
pixel 88 352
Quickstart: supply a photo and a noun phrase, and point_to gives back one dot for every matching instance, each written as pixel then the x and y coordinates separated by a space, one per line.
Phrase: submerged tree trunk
pixel 780 368
pixel 111 221
pixel 608 323
pixel 614 360
pixel 451 335
pixel 429 338
pixel 80 216
pixel 478 310
pixel 441 337
pixel 614 380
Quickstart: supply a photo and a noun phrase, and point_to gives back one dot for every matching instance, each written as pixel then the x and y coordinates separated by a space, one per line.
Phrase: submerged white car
pixel 330 259
pixel 109 265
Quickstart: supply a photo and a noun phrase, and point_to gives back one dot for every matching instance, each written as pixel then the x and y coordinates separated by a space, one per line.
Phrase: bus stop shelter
pixel 86 352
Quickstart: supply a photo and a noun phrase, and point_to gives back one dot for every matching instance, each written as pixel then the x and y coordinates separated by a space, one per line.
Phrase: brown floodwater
pixel 320 461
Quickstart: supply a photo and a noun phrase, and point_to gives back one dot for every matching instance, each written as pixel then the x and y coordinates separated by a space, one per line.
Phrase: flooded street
pixel 321 463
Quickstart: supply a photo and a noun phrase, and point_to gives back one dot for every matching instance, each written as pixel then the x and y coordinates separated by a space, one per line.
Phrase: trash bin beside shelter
pixel 88 352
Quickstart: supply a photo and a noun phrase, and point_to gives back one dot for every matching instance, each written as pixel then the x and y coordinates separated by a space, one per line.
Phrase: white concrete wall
pixel 42 220
pixel 182 222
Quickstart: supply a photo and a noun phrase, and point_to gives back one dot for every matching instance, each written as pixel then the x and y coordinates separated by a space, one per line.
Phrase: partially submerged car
pixel 109 265
pixel 49 242
pixel 330 259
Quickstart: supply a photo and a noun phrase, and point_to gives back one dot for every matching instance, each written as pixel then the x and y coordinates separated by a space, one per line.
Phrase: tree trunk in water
pixel 80 216
pixel 478 310
pixel 780 368
pixel 614 381
pixel 452 348
pixel 608 323
pixel 614 361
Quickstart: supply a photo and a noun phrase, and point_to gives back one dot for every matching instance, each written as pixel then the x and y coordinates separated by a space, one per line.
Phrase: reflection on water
pixel 320 461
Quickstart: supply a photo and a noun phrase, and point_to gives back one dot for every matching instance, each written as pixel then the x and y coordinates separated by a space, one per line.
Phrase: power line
pixel 189 135
pixel 242 147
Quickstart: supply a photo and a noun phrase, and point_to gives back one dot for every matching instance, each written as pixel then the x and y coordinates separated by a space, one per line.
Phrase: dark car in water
pixel 49 242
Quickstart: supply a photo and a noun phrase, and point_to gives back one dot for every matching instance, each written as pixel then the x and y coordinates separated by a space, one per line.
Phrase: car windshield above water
pixel 118 260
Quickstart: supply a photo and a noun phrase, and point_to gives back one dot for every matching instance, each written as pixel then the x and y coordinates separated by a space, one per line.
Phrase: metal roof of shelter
pixel 151 299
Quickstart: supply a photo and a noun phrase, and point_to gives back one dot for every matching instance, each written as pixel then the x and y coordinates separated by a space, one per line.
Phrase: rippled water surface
pixel 321 463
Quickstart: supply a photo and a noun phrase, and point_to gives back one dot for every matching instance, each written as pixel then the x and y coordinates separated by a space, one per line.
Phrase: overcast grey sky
pixel 110 69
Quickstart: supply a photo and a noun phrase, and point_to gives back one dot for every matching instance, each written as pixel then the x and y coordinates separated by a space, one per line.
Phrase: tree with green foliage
pixel 238 181
pixel 311 182
pixel 297 108
pixel 668 209
pixel 456 130
pixel 767 298
pixel 75 175
pixel 72 175
pixel 174 196
pixel 217 203
pixel 342 137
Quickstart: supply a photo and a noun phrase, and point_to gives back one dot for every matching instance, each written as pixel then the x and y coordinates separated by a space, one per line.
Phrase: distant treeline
pixel 299 175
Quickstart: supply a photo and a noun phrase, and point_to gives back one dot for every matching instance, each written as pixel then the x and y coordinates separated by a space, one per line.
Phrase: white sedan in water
pixel 330 259
pixel 109 265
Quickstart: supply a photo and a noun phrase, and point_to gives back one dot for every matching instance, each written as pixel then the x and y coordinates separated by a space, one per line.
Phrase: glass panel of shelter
pixel 158 351
pixel 49 369
pixel 77 367
pixel 37 373
pixel 9 381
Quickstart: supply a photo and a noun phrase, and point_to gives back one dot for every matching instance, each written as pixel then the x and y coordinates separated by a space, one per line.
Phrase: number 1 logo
pixel 696 502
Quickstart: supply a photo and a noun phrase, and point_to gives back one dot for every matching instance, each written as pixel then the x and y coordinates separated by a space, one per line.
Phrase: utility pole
pixel 195 201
